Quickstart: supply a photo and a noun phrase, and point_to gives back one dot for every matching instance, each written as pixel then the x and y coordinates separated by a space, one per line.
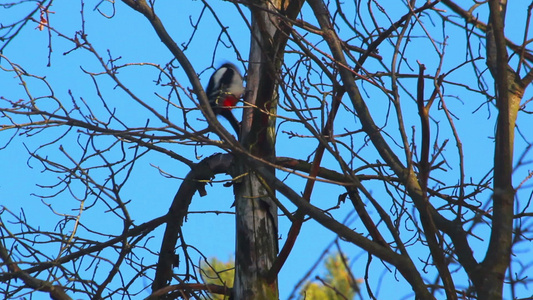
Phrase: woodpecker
pixel 224 90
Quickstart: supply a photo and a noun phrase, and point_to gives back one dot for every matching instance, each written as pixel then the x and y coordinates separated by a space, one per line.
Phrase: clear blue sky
pixel 129 36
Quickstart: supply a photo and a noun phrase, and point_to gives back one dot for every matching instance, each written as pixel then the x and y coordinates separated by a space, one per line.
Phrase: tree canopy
pixel 397 129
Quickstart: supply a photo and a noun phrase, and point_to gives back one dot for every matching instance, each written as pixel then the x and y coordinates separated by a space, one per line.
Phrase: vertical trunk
pixel 509 92
pixel 256 218
pixel 256 241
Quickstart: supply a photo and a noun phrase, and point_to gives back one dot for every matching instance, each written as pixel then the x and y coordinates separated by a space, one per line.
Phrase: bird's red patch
pixel 229 100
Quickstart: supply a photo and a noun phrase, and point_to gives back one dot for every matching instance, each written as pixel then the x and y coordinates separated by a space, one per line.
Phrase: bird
pixel 224 90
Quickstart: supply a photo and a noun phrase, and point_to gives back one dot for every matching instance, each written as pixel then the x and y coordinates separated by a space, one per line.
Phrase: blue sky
pixel 128 35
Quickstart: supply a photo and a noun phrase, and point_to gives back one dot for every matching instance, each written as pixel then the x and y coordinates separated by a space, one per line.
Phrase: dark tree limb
pixel 194 181
pixel 186 288
pixel 498 254
pixel 431 232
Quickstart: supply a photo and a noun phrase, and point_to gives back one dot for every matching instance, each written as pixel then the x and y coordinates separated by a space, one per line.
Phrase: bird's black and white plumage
pixel 224 90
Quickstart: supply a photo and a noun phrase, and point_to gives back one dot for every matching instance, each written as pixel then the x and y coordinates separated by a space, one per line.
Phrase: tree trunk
pixel 256 212
pixel 509 91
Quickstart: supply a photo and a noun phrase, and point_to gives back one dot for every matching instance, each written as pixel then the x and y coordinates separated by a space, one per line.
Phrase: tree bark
pixel 509 92
pixel 256 212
